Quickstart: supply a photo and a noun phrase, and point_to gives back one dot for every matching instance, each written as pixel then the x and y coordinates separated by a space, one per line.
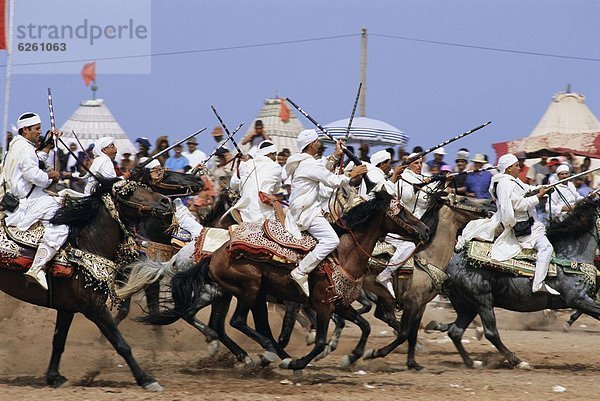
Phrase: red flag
pixel 3 24
pixel 88 72
pixel 284 112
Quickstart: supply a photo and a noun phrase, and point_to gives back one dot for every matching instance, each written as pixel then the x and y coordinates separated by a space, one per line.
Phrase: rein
pixel 125 188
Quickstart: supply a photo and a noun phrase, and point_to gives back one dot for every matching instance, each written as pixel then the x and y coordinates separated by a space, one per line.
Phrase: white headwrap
pixel 380 157
pixel 563 168
pixel 413 155
pixel 28 122
pixel 505 161
pixel 305 138
pixel 263 151
pixel 101 144
pixel 151 165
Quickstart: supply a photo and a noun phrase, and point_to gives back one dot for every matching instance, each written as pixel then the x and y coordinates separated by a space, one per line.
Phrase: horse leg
pixel 464 317
pixel 122 311
pixel 339 324
pixel 323 316
pixel 349 313
pixel 289 319
pixel 488 320
pixel 308 320
pixel 366 303
pixel 63 323
pixel 413 332
pixel 260 315
pixel 574 316
pixel 239 320
pixel 104 321
pixel 218 314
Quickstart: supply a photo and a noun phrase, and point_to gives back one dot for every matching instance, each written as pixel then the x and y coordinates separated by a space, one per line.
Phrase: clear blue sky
pixel 430 91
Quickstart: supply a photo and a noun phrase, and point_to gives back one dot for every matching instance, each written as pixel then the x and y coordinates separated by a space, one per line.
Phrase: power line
pixel 496 49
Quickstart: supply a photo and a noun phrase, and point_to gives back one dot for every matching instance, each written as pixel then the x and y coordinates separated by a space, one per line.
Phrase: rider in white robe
pixel 513 206
pixel 105 152
pixel 26 181
pixel 556 205
pixel 304 212
pixel 262 174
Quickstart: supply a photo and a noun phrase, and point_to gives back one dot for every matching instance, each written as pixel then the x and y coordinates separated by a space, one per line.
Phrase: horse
pixel 98 231
pixel 477 291
pixel 251 282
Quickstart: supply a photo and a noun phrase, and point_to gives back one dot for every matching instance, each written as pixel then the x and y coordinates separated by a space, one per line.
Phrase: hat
pixel 192 140
pixel 446 167
pixel 439 151
pixel 380 157
pixel 413 155
pixel 23 121
pixel 222 151
pixel 151 165
pixel 479 158
pixel 266 147
pixel 102 143
pixel 521 155
pixel 553 162
pixel 145 142
pixel 563 168
pixel 305 138
pixel 506 161
pixel 462 155
pixel 217 131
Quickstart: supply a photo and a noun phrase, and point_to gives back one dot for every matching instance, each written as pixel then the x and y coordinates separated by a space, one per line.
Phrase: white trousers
pixel 186 219
pixel 403 250
pixel 544 256
pixel 325 234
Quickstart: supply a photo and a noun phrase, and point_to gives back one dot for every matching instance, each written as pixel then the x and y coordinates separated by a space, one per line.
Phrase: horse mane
pixel 576 223
pixel 431 218
pixel 359 216
pixel 78 212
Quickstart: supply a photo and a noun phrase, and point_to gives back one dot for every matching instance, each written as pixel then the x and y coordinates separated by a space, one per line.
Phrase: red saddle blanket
pixel 23 263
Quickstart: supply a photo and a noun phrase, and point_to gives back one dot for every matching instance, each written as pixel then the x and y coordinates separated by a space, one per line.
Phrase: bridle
pixel 122 189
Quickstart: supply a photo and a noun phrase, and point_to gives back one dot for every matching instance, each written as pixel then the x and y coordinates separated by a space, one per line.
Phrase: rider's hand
pixel 56 132
pixel 544 191
pixel 338 149
pixel 358 170
pixel 54 175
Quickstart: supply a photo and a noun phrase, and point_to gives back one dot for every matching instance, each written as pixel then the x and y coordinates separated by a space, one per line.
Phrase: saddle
pixel 381 256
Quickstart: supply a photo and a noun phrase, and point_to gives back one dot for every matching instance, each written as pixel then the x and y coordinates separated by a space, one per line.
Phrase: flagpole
pixel 11 14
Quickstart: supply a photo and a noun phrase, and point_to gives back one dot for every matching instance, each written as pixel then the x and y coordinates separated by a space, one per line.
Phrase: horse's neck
pixel 581 250
pixel 440 249
pixel 154 229
pixel 102 236
pixel 355 249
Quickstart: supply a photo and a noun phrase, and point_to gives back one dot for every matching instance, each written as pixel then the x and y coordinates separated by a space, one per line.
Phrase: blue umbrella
pixel 369 131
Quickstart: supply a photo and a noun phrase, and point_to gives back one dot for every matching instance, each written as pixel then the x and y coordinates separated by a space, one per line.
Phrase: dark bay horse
pixel 477 291
pixel 93 230
pixel 251 282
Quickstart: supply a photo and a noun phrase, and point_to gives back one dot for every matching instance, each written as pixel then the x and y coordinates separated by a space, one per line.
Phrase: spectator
pixel 222 172
pixel 551 177
pixel 161 144
pixel 392 152
pixel 540 170
pixel 477 183
pixel 363 152
pixel 178 162
pixel 255 137
pixel 126 163
pixel 581 186
pixel 143 148
pixel 462 159
pixel 194 155
pixel 437 162
pixel 283 156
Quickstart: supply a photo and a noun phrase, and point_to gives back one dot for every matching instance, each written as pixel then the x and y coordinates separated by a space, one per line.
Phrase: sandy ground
pixel 177 357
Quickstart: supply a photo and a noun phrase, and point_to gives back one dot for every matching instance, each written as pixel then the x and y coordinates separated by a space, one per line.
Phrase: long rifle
pixel 456 138
pixel 146 162
pixel 85 153
pixel 53 131
pixel 229 135
pixel 75 156
pixel 353 111
pixel 537 190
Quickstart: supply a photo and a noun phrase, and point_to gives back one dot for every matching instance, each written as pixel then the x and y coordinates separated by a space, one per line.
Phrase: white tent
pixel 93 120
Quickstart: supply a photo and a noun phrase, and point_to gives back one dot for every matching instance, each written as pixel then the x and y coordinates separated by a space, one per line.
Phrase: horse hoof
pixel 154 386
pixel 415 366
pixel 524 366
pixel 311 337
pixel 479 333
pixel 369 354
pixel 249 362
pixel 345 362
pixel 285 364
pixel 477 365
pixel 268 357
pixel 58 381
pixel 213 348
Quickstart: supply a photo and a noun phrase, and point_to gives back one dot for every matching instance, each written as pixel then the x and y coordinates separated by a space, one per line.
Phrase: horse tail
pixel 186 289
pixel 142 273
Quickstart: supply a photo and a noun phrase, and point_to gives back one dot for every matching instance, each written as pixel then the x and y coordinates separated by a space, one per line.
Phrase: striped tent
pixel 369 131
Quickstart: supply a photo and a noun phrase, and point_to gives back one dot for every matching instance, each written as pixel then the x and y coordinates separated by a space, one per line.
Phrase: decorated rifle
pixel 549 186
pixel 229 135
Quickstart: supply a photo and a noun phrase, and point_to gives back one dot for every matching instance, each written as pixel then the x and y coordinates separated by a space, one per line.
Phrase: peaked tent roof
pixel 282 133
pixel 93 120
pixel 568 125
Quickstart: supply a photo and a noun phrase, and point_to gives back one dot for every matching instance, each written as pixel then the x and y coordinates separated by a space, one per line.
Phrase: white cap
pixel 102 143
pixel 305 138
pixel 28 122
pixel 439 151
pixel 506 161
pixel 151 165
pixel 563 168
pixel 380 157
pixel 413 155
pixel 266 147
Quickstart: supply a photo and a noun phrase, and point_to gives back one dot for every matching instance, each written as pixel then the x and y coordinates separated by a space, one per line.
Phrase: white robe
pixel 307 174
pixel 260 174
pixel 556 202
pixel 414 200
pixel 102 166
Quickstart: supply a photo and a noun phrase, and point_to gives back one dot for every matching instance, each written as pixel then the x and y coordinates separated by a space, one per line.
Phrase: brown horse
pixel 416 291
pixel 251 282
pixel 92 229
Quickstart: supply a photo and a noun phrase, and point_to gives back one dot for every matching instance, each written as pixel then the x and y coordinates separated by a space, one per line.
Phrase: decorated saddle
pixel 381 256
pixel 18 248
pixel 478 253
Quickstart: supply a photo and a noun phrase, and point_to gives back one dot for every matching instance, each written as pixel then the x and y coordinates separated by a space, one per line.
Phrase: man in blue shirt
pixel 177 162
pixel 477 183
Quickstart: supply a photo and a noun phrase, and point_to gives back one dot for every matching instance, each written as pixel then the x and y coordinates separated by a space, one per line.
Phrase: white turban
pixel 151 165
pixel 28 122
pixel 380 157
pixel 563 168
pixel 506 161
pixel 413 155
pixel 266 147
pixel 101 144
pixel 305 138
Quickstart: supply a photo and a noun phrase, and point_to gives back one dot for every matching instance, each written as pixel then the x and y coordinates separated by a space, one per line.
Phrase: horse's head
pixel 168 183
pixel 136 201
pixel 402 222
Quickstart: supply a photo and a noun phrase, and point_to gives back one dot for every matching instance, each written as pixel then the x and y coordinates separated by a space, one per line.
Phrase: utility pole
pixel 363 71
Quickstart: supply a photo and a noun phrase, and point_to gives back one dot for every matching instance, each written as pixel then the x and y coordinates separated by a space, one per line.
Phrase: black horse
pixel 477 291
